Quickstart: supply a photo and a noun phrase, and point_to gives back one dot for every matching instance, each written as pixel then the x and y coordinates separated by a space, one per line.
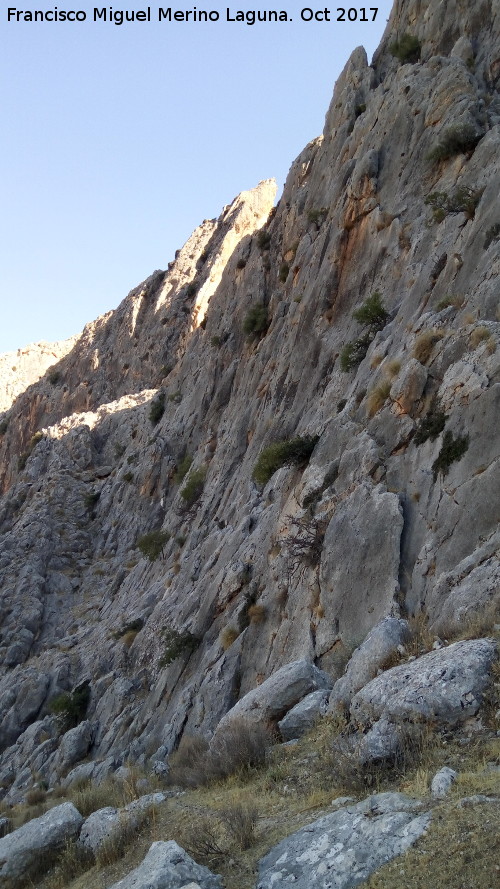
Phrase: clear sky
pixel 119 140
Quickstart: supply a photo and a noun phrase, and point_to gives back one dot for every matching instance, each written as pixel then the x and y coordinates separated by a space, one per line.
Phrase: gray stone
pixel 342 849
pixel 409 385
pixel 304 715
pixel 442 782
pixel 75 744
pixel 22 850
pixel 444 686
pixel 167 866
pixel 278 694
pixel 381 643
pixel 101 824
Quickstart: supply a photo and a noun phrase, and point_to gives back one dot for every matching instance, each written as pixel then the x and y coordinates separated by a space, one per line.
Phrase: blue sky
pixel 119 140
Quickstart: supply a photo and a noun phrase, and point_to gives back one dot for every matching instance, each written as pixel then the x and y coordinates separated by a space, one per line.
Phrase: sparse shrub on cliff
pixel 4 425
pixel 317 216
pixel 176 643
pixel 493 234
pixel 295 451
pixel 151 544
pixel 182 469
pixel 129 631
pixel 304 542
pixel 456 139
pixel 462 200
pixel 407 49
pixel 54 377
pixel 241 264
pixel 479 335
pixel 91 499
pixel 425 343
pixel 283 273
pixel 431 425
pixel 263 240
pixel 193 489
pixel 452 450
pixel 256 613
pixel 256 321
pixel 191 289
pixel 353 353
pixel 372 313
pixel 157 408
pixel 71 707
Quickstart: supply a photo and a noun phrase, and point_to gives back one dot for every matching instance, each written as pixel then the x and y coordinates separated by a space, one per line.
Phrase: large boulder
pixel 277 695
pixel 446 686
pixel 22 851
pixel 342 849
pixel 301 718
pixel 101 824
pixel 381 643
pixel 167 866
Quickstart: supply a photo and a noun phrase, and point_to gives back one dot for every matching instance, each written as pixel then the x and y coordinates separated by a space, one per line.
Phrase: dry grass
pixel 89 797
pixel 478 335
pixel 256 613
pixel 239 749
pixel 393 367
pixel 377 397
pixel 228 635
pixel 424 344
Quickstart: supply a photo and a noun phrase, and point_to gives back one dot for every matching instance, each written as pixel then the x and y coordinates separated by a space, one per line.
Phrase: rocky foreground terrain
pixel 279 451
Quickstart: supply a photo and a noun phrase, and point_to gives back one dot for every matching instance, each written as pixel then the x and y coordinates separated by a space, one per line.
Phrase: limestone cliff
pixel 396 511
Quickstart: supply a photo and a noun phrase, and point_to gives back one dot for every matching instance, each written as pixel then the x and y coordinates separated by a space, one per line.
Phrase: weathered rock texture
pixel 86 468
pixel 25 850
pixel 167 866
pixel 20 369
pixel 344 848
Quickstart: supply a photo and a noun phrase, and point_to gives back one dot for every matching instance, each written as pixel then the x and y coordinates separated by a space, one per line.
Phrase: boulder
pixel 100 825
pixel 23 850
pixel 343 848
pixel 444 686
pixel 277 695
pixel 167 866
pixel 442 781
pixel 75 744
pixel 381 643
pixel 304 715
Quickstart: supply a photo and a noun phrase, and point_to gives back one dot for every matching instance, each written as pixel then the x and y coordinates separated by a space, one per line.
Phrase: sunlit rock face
pixel 161 409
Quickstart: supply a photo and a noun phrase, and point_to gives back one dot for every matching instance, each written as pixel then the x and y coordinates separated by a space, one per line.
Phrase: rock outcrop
pixel 23 851
pixel 265 328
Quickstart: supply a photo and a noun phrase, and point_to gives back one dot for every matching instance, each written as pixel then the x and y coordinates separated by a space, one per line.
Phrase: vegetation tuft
pixel 193 489
pixel 456 139
pixel 451 451
pixel 294 451
pixel 151 545
pixel 431 425
pixel 256 321
pixel 176 644
pixel 407 49
pixel 462 200
pixel 71 707
pixel 157 408
pixel 372 315
pixel 182 469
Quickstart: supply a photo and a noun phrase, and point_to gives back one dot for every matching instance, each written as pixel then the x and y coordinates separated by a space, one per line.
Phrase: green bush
pixel 283 273
pixel 431 425
pixel 128 477
pixel 241 264
pixel 493 234
pixel 353 353
pixel 193 489
pixel 452 450
pixel 182 469
pixel 54 377
pixel 157 408
pixel 71 707
pixel 191 289
pixel 407 49
pixel 463 200
pixel 152 544
pixel 372 313
pixel 295 451
pixel 176 644
pixel 317 216
pixel 256 321
pixel 459 138
pixel 91 499
pixel 263 240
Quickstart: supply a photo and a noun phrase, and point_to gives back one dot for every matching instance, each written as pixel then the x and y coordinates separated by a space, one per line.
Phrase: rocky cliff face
pixel 394 211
